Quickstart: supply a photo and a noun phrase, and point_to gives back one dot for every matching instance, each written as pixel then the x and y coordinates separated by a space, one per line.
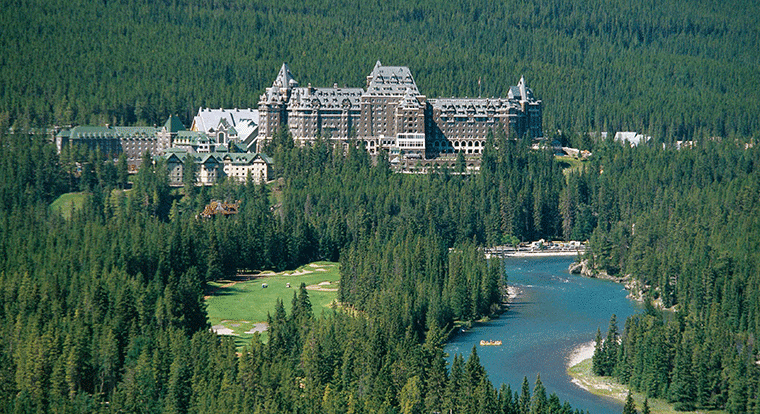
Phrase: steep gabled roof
pixel 173 124
pixel 326 98
pixel 391 80
pixel 410 100
pixel 111 132
pixel 284 78
pixel 243 120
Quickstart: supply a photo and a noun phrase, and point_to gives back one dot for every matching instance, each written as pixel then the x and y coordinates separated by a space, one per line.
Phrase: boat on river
pixel 489 343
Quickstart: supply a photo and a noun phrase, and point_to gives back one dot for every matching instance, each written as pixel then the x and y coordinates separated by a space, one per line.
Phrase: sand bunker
pixel 222 330
pixel 322 287
pixel 258 327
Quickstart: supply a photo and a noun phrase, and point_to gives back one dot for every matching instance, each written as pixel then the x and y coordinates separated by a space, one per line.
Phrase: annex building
pixel 390 113
pixel 210 128
pixel 219 143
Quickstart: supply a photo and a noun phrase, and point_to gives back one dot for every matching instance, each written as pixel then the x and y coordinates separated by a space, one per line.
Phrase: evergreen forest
pixel 102 310
pixel 676 69
pixel 684 225
pixel 102 307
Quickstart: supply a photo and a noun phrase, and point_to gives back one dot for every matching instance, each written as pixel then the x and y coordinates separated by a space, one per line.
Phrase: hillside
pixel 674 69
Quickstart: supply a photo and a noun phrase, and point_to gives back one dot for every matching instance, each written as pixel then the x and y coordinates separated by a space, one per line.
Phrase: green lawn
pixel 608 387
pixel 67 203
pixel 569 164
pixel 237 308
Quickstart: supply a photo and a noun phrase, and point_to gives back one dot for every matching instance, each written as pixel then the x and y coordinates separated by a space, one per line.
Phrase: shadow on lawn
pixel 227 286
pixel 220 291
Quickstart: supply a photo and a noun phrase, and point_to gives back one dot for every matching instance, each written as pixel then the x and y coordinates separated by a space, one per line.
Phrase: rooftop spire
pixel 285 79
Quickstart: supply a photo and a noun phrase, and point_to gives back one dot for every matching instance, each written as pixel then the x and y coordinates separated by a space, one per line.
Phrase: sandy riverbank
pixel 579 368
pixel 536 253
pixel 544 253
pixel 580 353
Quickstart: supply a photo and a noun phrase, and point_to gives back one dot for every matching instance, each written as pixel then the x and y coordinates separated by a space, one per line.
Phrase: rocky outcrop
pixel 637 290
pixel 576 268
pixel 583 268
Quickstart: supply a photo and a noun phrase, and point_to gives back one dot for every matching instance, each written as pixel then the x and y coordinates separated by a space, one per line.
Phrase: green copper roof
pixel 173 124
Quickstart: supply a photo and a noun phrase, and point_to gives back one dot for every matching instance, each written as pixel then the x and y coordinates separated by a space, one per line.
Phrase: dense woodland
pixel 104 311
pixel 676 69
pixel 685 225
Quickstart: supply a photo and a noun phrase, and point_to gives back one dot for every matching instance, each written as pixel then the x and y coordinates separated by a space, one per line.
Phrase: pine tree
pixel 610 348
pixel 597 363
pixel 460 163
pixel 301 306
pixel 455 385
pixel 410 398
pixel 474 371
pixel 538 401
pixel 189 174
pixel 524 402
pixel 682 386
pixel 630 406
pixel 645 408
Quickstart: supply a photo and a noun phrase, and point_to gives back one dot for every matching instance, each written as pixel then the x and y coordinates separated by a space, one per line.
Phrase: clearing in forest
pixel 569 164
pixel 239 306
pixel 68 203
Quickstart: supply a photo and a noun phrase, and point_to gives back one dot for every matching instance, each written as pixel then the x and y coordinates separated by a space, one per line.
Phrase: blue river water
pixel 555 312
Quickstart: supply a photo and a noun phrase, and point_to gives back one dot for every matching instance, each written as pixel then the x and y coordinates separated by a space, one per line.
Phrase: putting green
pixel 239 307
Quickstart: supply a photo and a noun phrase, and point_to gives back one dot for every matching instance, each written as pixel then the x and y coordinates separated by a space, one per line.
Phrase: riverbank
pixel 637 290
pixel 543 253
pixel 579 368
pixel 533 253
pixel 550 312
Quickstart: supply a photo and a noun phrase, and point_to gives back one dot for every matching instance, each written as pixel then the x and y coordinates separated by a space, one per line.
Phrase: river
pixel 555 313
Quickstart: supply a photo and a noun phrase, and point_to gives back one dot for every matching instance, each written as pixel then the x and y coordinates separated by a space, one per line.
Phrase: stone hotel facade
pixel 392 114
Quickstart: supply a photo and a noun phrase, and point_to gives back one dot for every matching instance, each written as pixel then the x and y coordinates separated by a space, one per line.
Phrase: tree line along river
pixel 553 314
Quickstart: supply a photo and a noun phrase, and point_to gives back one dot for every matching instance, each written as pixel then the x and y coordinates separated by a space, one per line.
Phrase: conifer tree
pixel 524 401
pixel 630 406
pixel 538 402
pixel 645 408
pixel 682 385
pixel 610 348
pixel 598 358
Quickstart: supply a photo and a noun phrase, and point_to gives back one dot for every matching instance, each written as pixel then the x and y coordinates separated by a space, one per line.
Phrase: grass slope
pixel 236 308
pixel 569 164
pixel 608 387
pixel 67 203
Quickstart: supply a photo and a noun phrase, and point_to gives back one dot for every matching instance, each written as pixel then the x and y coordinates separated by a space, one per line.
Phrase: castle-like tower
pixel 393 115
